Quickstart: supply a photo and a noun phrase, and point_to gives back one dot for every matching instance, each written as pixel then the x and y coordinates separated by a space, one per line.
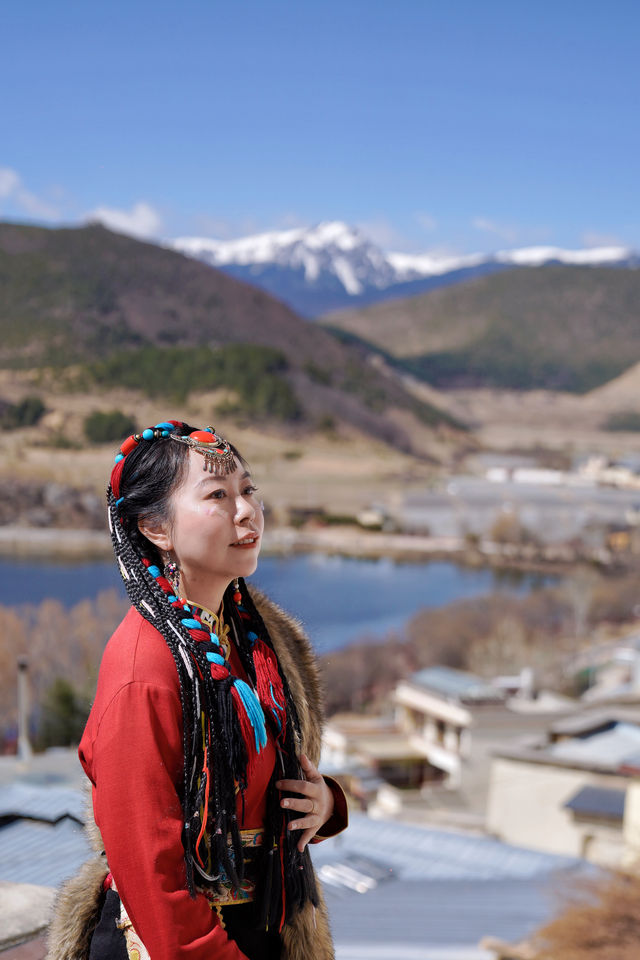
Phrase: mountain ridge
pixel 334 266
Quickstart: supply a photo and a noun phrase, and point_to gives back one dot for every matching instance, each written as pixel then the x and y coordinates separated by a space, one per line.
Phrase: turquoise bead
pixel 147 434
pixel 119 457
pixel 164 426
pixel 153 570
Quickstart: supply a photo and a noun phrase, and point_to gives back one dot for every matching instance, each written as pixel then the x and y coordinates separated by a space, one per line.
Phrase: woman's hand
pixel 316 802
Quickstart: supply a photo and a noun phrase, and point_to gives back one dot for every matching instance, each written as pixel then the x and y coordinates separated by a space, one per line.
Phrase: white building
pixel 571 793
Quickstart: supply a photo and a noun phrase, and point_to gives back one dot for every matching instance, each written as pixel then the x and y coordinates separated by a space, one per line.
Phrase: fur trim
pixel 76 912
pixel 308 936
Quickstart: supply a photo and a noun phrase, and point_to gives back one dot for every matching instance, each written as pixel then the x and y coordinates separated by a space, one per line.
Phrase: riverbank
pixel 65 545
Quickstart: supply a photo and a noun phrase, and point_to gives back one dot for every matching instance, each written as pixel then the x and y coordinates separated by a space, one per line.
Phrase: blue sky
pixel 456 126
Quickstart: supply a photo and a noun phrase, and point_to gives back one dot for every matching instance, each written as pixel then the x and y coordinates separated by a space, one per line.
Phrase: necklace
pixel 215 623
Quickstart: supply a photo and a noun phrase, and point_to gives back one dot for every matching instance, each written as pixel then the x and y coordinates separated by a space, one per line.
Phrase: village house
pixel 576 793
pixel 422 743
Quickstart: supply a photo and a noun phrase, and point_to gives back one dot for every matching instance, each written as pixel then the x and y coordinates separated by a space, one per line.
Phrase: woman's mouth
pixel 247 542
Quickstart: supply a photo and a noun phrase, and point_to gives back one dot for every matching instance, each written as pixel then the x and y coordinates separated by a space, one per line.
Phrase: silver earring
pixel 172 573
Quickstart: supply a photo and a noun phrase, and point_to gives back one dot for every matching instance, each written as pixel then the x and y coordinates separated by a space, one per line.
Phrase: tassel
pixel 251 717
pixel 269 684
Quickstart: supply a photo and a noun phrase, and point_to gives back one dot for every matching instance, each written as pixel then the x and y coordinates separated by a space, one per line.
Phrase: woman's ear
pixel 157 531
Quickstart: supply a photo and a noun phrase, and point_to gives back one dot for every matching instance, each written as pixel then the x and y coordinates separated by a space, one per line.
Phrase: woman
pixel 202 741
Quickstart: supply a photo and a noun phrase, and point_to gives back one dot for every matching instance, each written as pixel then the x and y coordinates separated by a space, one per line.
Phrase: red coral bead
pixel 128 445
pixel 237 597
pixel 203 437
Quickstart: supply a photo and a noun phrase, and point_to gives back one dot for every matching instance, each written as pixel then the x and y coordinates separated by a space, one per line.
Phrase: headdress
pixel 218 455
pixel 225 718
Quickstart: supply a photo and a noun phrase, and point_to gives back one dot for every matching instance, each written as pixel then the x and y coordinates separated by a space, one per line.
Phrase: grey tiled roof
pixel 41 802
pixel 455 684
pixel 611 748
pixel 421 853
pixel 42 853
pixel 437 894
pixel 598 801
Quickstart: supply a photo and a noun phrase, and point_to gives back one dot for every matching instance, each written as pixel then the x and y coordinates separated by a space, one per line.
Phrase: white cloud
pixel 502 230
pixel 140 221
pixel 9 182
pixel 426 220
pixel 16 196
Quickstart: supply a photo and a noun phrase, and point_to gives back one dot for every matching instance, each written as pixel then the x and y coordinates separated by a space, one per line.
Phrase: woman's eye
pixel 217 494
pixel 249 490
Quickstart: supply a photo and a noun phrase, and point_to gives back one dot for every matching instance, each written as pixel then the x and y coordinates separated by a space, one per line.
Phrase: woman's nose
pixel 244 510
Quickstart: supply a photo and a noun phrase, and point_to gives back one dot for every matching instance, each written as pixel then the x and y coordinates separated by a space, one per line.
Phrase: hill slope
pixel 556 327
pixel 77 296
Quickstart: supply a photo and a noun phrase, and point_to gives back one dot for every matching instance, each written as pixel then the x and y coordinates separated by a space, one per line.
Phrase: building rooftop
pixel 50 804
pixel 609 748
pixel 456 684
pixel 600 802
pixel 590 721
pixel 399 892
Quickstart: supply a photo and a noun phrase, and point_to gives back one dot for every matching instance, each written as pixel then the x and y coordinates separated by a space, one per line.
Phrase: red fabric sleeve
pixel 137 762
pixel 339 819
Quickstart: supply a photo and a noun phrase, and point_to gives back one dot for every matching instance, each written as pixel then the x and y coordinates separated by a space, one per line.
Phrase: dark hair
pixel 150 475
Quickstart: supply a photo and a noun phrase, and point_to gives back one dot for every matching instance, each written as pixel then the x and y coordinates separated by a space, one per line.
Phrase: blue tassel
pixel 254 712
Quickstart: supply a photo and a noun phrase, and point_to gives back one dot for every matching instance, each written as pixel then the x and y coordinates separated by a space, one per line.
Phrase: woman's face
pixel 216 527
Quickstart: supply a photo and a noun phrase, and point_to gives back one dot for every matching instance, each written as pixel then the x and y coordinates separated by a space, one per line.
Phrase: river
pixel 339 599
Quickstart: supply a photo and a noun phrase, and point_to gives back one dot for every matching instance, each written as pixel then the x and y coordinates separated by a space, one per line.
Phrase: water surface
pixel 339 599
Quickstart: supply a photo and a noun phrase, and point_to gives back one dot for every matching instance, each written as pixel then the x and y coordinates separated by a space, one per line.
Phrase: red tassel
pixel 267 679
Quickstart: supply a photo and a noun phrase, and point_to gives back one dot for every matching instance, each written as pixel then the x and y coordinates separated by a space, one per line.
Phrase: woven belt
pixel 223 893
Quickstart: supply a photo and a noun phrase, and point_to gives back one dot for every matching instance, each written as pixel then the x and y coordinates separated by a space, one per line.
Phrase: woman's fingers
pixel 302 804
pixel 297 786
pixel 316 801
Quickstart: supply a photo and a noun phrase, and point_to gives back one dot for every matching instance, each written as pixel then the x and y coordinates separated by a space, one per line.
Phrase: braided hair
pixel 225 719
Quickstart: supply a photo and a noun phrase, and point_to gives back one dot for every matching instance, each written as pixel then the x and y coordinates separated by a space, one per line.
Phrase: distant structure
pixel 422 744
pixel 24 745
pixel 577 793
pixel 432 709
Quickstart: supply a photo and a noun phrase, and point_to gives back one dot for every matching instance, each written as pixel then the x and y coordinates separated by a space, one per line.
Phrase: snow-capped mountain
pixel 332 265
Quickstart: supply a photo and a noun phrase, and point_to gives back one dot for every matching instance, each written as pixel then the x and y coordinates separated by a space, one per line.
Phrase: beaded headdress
pixel 225 717
pixel 218 455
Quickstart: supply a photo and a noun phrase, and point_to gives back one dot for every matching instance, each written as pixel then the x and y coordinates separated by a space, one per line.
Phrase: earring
pixel 172 573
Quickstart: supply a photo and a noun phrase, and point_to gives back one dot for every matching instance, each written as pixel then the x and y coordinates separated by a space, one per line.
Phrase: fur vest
pixel 307 937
